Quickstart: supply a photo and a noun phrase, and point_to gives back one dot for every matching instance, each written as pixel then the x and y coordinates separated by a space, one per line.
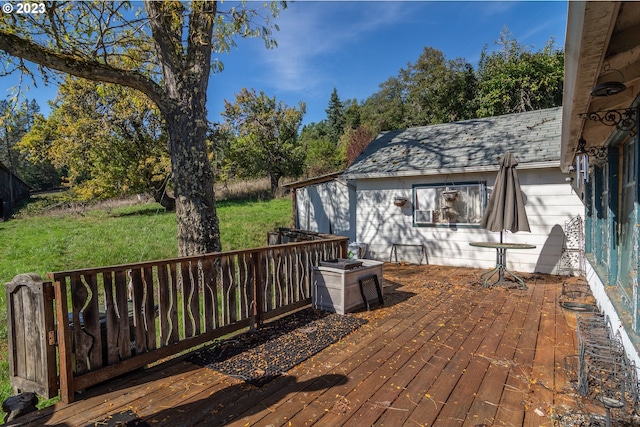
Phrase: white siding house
pixel 324 205
pixel 379 223
pixel 602 79
pixel 421 164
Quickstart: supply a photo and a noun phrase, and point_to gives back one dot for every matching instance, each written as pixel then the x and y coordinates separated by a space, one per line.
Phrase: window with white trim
pixel 448 203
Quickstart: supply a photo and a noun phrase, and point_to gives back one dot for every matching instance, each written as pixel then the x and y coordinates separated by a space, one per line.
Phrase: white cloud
pixel 540 30
pixel 312 32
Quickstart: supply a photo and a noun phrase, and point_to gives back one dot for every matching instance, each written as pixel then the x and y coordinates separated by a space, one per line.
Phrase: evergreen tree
pixel 335 118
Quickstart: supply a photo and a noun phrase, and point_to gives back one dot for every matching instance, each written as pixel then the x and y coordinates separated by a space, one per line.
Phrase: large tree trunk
pixel 198 228
pixel 186 78
pixel 275 183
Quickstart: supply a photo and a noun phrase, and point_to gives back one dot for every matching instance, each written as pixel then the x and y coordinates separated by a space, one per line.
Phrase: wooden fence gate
pixel 31 336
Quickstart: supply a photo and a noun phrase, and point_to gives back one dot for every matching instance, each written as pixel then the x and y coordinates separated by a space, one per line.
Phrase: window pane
pixel 446 204
pixel 475 205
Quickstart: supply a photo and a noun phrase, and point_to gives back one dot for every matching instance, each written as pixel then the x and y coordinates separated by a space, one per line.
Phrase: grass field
pixel 117 235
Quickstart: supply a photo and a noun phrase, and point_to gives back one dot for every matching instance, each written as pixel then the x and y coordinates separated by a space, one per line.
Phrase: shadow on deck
pixel 443 351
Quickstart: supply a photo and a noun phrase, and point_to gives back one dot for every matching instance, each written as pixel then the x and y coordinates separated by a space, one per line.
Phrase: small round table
pixel 501 261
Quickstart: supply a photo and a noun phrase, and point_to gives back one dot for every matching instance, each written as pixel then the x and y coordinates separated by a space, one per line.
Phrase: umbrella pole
pixel 501 262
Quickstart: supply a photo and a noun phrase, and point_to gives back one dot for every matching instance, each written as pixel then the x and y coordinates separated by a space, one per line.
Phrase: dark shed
pixel 12 190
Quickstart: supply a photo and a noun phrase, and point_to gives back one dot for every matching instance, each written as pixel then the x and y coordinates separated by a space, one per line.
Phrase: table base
pixel 501 269
pixel 500 280
pixel 501 262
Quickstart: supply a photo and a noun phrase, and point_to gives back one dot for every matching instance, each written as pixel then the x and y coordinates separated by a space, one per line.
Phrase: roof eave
pixel 589 29
pixel 312 181
pixel 447 171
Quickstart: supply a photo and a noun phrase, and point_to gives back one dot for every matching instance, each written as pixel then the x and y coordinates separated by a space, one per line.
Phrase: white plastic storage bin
pixel 338 290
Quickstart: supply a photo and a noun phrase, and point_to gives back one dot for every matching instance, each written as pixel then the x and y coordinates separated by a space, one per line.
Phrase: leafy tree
pixel 315 130
pixel 424 83
pixel 436 90
pixel 515 79
pixel 352 114
pixel 264 136
pixel 15 122
pixel 458 99
pixel 431 90
pixel 386 109
pixel 322 156
pixel 162 49
pixel 109 139
pixel 335 117
pixel 356 140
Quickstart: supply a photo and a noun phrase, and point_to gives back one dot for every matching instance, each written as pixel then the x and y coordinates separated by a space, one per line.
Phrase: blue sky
pixel 355 46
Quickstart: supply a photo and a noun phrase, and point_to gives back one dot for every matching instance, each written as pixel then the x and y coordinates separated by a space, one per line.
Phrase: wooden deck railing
pixel 112 320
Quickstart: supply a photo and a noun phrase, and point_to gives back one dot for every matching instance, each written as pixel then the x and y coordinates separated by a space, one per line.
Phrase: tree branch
pixel 80 67
pixel 162 34
pixel 200 35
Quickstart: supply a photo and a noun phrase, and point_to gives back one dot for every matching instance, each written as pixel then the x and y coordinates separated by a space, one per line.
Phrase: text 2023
pixel 29 8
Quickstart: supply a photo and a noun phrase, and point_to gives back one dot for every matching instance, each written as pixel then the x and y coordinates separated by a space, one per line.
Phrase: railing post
pixel 256 260
pixel 64 341
pixel 274 238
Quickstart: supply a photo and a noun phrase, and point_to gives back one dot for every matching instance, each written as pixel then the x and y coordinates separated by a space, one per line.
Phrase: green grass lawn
pixel 101 237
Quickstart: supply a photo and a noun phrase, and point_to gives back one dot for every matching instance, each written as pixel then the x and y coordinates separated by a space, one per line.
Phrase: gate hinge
pixel 51 338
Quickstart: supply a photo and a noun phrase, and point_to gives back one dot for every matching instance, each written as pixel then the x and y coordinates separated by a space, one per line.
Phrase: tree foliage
pixel 386 109
pixel 16 120
pixel 322 155
pixel 109 138
pixel 352 115
pixel 263 136
pixel 335 118
pixel 162 49
pixel 515 79
pixel 355 141
pixel 436 90
pixel 431 90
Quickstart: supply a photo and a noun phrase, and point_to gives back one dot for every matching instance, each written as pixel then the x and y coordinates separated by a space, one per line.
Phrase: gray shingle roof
pixel 471 145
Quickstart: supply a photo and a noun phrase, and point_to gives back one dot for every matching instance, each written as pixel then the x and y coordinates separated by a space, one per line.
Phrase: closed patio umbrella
pixel 505 210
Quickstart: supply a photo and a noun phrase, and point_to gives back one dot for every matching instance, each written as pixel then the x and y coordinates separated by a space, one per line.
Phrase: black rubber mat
pixel 259 357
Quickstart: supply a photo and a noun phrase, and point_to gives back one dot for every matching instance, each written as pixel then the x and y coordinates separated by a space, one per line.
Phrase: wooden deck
pixel 442 352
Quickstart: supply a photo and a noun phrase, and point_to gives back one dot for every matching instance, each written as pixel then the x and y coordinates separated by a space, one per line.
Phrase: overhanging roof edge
pixel 432 172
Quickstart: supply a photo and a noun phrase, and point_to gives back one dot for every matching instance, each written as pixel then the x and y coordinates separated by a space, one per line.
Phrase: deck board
pixel 475 372
pixel 540 399
pixel 393 356
pixel 486 399
pixel 517 387
pixel 409 363
pixel 442 351
pixel 451 364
